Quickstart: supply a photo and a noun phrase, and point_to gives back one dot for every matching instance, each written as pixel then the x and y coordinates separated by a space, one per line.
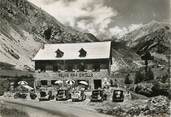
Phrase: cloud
pixel 87 15
pixel 120 31
pixel 91 16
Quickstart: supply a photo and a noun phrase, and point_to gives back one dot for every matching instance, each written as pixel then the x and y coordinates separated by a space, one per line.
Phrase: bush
pixel 143 89
pixel 149 75
pixel 4 86
pixel 153 107
pixel 159 104
pixel 160 89
pixel 127 80
pixel 153 89
pixel 165 78
pixel 48 33
pixel 139 77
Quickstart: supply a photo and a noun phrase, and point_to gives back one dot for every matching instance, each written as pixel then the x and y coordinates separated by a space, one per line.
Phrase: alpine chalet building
pixel 88 62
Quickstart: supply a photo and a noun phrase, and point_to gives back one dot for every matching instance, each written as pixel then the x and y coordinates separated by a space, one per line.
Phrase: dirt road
pixel 51 108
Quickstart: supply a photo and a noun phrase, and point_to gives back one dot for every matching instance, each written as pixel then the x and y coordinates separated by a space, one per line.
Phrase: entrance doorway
pixel 97 84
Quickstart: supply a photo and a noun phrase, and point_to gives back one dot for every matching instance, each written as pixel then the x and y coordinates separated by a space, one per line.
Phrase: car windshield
pixel 42 94
pixel 118 92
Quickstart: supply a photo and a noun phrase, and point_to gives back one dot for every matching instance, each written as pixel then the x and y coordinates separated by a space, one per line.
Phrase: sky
pixel 106 18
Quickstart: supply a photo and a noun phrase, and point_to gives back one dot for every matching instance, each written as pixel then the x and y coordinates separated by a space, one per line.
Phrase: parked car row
pixel 98 95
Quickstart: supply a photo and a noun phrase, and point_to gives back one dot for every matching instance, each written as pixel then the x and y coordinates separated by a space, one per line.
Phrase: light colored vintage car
pixel 78 96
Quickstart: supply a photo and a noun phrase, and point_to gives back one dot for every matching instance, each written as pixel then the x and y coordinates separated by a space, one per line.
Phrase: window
pixel 62 67
pixel 75 66
pixel 83 53
pixel 104 66
pixel 43 82
pixel 81 67
pixel 89 66
pixel 96 67
pixel 42 68
pixel 55 68
pixel 49 67
pixel 59 53
pixel 69 67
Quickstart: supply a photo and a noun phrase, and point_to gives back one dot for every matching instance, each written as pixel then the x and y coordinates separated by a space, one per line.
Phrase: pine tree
pixel 48 33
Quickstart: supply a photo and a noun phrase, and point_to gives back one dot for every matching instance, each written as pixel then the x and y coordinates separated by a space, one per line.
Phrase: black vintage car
pixel 98 95
pixel 63 94
pixel 46 97
pixel 20 95
pixel 78 96
pixel 118 95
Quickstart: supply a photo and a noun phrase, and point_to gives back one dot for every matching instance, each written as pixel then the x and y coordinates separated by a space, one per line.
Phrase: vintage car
pixel 118 95
pixel 20 95
pixel 46 97
pixel 63 94
pixel 78 96
pixel 98 95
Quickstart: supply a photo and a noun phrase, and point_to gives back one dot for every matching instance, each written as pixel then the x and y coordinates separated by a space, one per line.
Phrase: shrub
pixel 127 80
pixel 143 90
pixel 4 86
pixel 159 104
pixel 138 77
pixel 48 33
pixel 149 75
pixel 165 78
pixel 160 89
pixel 153 107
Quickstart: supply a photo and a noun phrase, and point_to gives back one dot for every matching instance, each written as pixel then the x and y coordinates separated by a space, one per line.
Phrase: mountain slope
pixel 123 57
pixel 23 29
pixel 154 37
pixel 157 41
